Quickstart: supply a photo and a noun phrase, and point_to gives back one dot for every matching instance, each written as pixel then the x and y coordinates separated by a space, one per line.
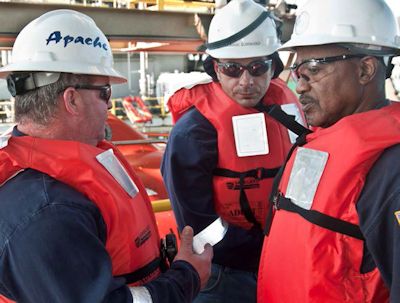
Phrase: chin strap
pixel 239 35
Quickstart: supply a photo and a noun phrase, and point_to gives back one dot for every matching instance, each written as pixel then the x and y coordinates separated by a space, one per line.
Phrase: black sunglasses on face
pixel 105 90
pixel 235 70
pixel 313 70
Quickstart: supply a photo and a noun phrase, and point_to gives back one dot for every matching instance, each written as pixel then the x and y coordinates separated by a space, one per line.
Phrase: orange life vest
pixel 238 179
pixel 132 237
pixel 305 262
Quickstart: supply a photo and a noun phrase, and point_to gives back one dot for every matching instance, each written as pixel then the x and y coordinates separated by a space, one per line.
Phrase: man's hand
pixel 202 262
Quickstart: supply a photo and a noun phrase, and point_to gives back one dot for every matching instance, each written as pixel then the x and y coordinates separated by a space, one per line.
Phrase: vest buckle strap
pixel 321 219
pixel 261 173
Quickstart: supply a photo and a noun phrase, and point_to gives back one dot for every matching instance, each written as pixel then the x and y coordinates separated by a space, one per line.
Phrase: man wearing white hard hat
pixel 76 222
pixel 224 151
pixel 335 233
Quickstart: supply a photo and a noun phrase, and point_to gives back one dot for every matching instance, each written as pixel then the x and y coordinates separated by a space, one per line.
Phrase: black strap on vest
pixel 278 201
pixel 286 120
pixel 243 33
pixel 142 272
pixel 320 219
pixel 290 123
pixel 259 174
pixel 300 140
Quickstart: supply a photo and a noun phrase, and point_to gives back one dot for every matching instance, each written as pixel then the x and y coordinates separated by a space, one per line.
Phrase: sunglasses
pixel 105 90
pixel 235 70
pixel 313 70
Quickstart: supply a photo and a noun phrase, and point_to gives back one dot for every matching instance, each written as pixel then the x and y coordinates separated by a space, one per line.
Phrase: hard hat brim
pixel 70 67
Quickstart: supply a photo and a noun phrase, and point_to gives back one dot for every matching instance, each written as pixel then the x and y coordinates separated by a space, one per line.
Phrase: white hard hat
pixel 63 41
pixel 368 23
pixel 242 29
pixel 220 4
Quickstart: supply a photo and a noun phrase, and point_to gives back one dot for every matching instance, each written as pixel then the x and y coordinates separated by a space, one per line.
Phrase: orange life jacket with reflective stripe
pixel 304 262
pixel 258 171
pixel 132 235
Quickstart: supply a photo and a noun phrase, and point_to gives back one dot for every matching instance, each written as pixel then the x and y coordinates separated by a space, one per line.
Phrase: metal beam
pixel 117 24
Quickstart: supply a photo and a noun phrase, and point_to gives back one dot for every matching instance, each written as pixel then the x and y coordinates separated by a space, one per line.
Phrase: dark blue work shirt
pixel 190 157
pixel 52 249
pixel 377 207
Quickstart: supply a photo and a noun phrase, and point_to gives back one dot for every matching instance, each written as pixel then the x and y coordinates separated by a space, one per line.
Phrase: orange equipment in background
pixel 145 155
pixel 136 110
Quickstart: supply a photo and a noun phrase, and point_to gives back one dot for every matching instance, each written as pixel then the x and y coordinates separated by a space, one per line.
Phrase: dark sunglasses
pixel 105 90
pixel 235 70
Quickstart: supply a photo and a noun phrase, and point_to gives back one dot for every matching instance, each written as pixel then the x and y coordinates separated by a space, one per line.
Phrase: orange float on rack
pixel 136 110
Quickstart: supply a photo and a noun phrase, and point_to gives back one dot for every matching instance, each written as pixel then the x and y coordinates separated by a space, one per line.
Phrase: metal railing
pixel 160 104
pixel 161 205
pixel 139 4
pixel 139 141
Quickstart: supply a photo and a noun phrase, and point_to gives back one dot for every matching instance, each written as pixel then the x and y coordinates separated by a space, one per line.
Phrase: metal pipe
pixel 161 205
pixel 139 141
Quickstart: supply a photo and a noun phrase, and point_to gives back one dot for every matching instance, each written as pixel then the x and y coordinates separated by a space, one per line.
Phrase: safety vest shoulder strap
pixel 300 141
pixel 279 115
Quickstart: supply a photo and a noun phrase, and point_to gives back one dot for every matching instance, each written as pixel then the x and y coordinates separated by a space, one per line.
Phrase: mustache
pixel 304 99
pixel 249 90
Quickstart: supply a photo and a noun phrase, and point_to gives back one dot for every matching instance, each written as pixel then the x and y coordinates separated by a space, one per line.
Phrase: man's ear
pixel 368 69
pixel 71 99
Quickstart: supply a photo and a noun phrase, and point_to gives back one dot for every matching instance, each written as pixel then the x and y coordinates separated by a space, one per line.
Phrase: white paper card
pixel 293 110
pixel 306 173
pixel 115 168
pixel 212 234
pixel 250 135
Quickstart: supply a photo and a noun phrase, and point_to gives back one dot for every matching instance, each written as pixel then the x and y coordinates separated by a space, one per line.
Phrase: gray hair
pixel 40 105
